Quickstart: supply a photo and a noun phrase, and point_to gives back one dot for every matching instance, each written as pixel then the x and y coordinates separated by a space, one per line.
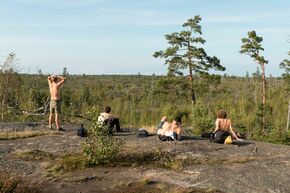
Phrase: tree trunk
pixel 2 108
pixel 288 118
pixel 264 85
pixel 263 96
pixel 129 109
pixel 5 87
pixel 193 101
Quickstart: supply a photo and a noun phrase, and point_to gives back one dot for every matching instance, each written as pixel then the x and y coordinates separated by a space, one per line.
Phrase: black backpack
pixel 142 133
pixel 82 132
pixel 219 136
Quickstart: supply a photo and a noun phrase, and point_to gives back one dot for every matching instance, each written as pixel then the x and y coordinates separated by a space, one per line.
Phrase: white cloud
pixel 108 17
pixel 135 22
pixel 276 17
pixel 60 2
pixel 95 42
pixel 140 17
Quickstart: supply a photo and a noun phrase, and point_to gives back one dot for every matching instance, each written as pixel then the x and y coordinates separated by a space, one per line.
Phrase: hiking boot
pixel 60 129
pixel 119 130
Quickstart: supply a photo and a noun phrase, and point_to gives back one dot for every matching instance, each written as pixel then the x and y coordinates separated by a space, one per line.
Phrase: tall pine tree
pixel 184 52
pixel 252 47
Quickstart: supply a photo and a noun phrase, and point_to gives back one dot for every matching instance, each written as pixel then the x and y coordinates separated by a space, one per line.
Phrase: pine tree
pixel 252 47
pixel 184 53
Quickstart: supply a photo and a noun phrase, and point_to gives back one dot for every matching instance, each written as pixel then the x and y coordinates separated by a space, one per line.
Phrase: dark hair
pixel 222 114
pixel 107 109
pixel 54 78
pixel 177 119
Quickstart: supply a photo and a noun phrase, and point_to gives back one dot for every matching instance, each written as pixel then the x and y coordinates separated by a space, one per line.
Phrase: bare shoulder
pixel 164 118
pixel 166 125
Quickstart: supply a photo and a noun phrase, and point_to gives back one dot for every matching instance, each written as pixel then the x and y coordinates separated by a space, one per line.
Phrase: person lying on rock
pixel 169 131
pixel 106 118
pixel 223 130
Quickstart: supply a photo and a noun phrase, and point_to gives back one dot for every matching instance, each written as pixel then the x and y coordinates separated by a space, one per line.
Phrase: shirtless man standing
pixel 169 131
pixel 54 83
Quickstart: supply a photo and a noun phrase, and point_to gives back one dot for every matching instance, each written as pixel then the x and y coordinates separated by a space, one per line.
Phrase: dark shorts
pixel 55 106
pixel 114 122
pixel 219 136
pixel 165 138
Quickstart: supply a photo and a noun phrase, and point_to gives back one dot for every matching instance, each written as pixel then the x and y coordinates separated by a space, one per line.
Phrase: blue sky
pixel 119 37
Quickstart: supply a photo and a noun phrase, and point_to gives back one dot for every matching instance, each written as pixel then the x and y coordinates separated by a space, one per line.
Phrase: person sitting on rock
pixel 169 131
pixel 223 130
pixel 106 118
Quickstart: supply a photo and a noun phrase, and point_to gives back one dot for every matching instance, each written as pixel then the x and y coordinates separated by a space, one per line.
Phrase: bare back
pixel 107 115
pixel 170 127
pixel 223 124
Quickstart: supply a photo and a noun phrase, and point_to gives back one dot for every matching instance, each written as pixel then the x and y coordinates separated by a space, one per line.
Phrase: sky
pixel 120 36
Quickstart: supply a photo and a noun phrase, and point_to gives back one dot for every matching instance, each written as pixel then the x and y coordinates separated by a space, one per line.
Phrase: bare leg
pixel 50 120
pixel 178 132
pixel 57 121
pixel 115 122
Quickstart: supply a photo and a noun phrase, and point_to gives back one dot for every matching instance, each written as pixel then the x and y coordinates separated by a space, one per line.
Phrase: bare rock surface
pixel 206 167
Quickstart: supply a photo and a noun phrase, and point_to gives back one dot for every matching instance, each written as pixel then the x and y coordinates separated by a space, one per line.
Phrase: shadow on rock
pixel 242 143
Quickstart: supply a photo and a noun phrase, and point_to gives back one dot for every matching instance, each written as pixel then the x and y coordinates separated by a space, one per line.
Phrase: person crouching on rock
pixel 169 131
pixel 223 130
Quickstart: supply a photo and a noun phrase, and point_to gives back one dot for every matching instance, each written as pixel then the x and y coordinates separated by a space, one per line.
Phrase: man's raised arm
pixel 62 80
pixel 49 79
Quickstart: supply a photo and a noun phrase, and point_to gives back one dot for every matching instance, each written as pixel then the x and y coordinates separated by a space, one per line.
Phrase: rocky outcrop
pixel 192 164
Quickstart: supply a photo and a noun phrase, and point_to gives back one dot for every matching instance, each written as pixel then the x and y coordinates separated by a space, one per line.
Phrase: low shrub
pixel 201 121
pixel 100 147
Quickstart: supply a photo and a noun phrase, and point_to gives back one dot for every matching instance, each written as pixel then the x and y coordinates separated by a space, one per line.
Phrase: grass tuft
pixel 65 163
pixel 33 155
pixel 15 184
pixel 146 181
pixel 9 135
